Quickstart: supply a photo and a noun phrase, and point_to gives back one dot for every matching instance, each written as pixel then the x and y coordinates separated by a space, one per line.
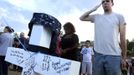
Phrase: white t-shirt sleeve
pixel 92 17
pixel 82 51
pixel 121 20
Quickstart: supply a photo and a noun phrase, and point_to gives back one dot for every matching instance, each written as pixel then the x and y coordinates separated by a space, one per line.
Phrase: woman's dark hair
pixel 69 26
pixel 10 30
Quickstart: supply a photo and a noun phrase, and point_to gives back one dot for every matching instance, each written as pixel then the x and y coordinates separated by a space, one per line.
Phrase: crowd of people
pixel 107 56
pixel 7 39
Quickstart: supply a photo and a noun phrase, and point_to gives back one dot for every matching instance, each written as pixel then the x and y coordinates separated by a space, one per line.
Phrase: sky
pixel 18 13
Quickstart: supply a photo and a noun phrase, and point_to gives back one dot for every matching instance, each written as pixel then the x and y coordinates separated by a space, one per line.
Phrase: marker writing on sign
pixel 46 63
pixel 60 67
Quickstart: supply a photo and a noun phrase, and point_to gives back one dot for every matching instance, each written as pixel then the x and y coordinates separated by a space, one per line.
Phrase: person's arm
pixel 81 54
pixel 71 48
pixel 92 54
pixel 123 40
pixel 75 42
pixel 86 15
pixel 122 29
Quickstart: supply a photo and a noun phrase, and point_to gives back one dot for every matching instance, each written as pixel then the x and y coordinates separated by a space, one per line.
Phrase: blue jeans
pixel 106 64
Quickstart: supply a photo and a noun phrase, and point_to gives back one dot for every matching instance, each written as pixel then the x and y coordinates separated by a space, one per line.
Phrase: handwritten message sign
pixel 29 71
pixel 17 56
pixel 50 65
pixel 41 64
pixel 28 68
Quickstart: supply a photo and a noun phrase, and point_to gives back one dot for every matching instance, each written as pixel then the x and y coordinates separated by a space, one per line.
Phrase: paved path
pixel 13 73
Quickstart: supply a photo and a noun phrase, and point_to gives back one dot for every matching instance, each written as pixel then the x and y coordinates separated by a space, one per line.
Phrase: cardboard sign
pixel 28 68
pixel 50 65
pixel 40 36
pixel 28 71
pixel 17 56
pixel 41 64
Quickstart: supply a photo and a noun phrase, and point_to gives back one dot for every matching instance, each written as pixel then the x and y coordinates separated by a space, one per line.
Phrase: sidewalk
pixel 13 72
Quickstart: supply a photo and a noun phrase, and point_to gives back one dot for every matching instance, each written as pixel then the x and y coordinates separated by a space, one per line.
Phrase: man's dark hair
pixel 88 41
pixel 10 30
pixel 111 1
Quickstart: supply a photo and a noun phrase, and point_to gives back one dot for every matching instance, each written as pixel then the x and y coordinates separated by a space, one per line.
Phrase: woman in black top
pixel 69 42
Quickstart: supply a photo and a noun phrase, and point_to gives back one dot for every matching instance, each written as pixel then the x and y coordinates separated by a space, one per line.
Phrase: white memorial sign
pixel 40 36
pixel 28 71
pixel 28 68
pixel 17 56
pixel 50 65
pixel 41 64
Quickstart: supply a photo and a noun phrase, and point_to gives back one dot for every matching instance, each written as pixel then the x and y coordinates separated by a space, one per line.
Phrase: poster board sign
pixel 28 69
pixel 41 64
pixel 51 65
pixel 40 36
pixel 17 56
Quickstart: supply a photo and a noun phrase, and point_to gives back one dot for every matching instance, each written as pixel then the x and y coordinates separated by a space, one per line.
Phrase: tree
pixel 130 45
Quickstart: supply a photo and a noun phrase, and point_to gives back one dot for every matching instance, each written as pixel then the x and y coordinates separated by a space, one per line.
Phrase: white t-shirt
pixel 6 40
pixel 87 54
pixel 107 33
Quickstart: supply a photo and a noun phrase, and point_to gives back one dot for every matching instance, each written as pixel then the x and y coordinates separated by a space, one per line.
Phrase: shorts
pixel 86 68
